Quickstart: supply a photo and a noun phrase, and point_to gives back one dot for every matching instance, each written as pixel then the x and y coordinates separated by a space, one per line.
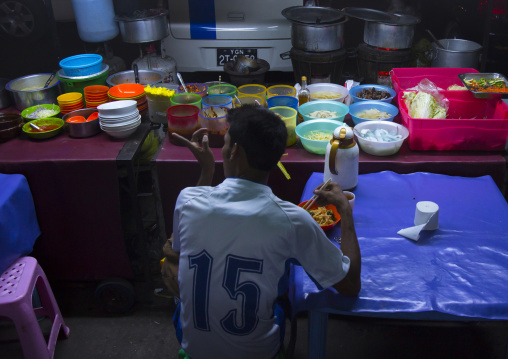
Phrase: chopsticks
pixel 311 201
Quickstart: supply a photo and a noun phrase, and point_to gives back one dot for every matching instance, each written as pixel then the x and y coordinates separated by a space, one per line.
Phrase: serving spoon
pixel 181 81
pixel 36 127
pixel 435 39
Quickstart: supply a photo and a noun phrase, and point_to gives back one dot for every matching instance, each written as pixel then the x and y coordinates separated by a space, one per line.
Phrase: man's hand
pixel 201 150
pixel 332 194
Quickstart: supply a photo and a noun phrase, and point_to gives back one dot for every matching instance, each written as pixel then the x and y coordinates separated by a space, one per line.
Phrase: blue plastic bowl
pixel 315 146
pixel 287 101
pixel 81 65
pixel 217 101
pixel 354 90
pixel 325 105
pixel 367 105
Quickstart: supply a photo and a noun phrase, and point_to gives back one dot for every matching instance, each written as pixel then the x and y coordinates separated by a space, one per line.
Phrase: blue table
pixel 458 272
pixel 18 222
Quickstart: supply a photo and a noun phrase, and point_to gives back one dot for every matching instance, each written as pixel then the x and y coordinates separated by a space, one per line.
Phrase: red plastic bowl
pixel 328 207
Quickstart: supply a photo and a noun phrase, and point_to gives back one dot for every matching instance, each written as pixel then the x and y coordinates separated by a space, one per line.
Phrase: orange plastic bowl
pixel 328 207
pixel 127 91
pixel 76 119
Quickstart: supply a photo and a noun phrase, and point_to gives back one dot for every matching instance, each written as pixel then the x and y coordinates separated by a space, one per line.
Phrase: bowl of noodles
pixel 326 109
pixel 316 134
pixel 327 91
pixel 326 216
pixel 372 111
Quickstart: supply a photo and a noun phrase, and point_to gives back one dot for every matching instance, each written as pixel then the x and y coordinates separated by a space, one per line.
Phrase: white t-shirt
pixel 236 241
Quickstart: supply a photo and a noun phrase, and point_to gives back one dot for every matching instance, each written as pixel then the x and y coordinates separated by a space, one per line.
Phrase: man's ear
pixel 234 151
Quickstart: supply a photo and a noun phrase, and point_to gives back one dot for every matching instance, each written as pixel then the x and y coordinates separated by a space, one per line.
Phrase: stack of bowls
pixel 119 119
pixel 96 95
pixel 10 126
pixel 70 101
pixel 130 91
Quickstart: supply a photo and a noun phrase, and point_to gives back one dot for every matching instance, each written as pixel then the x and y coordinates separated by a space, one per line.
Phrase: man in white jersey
pixel 232 245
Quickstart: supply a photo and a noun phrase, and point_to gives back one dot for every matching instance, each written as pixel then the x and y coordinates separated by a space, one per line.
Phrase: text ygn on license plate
pixel 225 55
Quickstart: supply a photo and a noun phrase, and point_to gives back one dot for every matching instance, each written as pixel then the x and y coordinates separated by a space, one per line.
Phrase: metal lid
pixel 312 15
pixel 403 19
pixel 371 15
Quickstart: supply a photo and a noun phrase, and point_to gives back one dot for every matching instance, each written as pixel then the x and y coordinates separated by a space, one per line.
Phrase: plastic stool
pixel 17 284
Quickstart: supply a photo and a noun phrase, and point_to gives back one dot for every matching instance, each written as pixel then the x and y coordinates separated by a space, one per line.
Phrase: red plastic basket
pixel 473 125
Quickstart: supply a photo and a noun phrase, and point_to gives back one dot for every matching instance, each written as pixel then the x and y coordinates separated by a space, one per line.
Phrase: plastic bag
pixel 429 87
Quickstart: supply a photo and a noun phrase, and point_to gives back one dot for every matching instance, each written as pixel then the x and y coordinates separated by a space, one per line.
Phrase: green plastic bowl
pixel 27 111
pixel 44 122
pixel 323 105
pixel 316 146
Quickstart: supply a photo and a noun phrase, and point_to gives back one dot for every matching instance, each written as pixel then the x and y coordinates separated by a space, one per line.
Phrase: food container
pixel 30 110
pixel 253 100
pixel 157 108
pixel 29 90
pixel 316 146
pixel 405 78
pixel 327 91
pixel 186 99
pixel 215 120
pixel 324 105
pixel 146 77
pixel 183 119
pixel 81 65
pixel 217 101
pixel 280 90
pixel 316 29
pixel 252 89
pixel 8 120
pixel 78 83
pixel 329 207
pixel 197 88
pixel 10 133
pixel 153 27
pixel 490 93
pixel 456 53
pixel 82 129
pixel 369 105
pixel 380 148
pixel 55 124
pixel 471 125
pixel 288 115
pixel 358 89
pixel 222 89
pixel 288 101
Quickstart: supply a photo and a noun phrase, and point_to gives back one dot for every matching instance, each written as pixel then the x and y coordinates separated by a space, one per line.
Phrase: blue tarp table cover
pixel 18 222
pixel 457 272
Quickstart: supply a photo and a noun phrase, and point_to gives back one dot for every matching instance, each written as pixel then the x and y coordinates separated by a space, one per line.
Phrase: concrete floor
pixel 146 332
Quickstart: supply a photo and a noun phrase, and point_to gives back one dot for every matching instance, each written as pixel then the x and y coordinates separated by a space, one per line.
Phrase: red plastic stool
pixel 17 284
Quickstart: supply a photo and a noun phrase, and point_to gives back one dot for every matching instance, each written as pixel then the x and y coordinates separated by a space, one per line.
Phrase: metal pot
pixel 316 29
pixel 144 29
pixel 29 90
pixel 456 53
pixel 388 36
pixel 385 30
pixel 146 77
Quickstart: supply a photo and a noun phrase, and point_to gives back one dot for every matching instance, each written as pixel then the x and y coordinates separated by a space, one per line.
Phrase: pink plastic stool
pixel 17 284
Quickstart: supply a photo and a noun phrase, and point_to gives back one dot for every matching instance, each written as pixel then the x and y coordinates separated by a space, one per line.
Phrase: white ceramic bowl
pixel 120 128
pixel 328 87
pixel 117 108
pixel 122 134
pixel 122 123
pixel 380 148
pixel 133 114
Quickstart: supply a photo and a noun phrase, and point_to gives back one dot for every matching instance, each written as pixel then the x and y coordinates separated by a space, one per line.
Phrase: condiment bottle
pixel 303 96
pixel 342 159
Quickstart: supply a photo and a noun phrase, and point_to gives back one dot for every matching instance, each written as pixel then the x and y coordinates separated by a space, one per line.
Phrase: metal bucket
pixel 146 29
pixel 456 53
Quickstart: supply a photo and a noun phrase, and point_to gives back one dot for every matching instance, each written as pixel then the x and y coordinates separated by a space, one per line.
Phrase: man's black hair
pixel 261 133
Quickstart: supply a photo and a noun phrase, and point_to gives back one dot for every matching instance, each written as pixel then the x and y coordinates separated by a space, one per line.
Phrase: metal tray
pixel 486 76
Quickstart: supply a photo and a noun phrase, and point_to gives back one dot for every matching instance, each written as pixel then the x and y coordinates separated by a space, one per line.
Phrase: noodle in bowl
pixel 321 217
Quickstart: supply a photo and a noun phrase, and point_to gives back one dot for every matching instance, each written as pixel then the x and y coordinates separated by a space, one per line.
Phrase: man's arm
pixel 170 267
pixel 333 194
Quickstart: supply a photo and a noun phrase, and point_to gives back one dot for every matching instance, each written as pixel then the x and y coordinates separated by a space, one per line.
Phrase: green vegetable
pixel 423 105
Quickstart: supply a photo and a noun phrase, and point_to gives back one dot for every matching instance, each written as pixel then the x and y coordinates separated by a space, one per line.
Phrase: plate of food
pixel 326 216
pixel 485 85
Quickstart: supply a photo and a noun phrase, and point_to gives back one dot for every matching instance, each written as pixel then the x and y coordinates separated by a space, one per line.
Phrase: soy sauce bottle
pixel 303 96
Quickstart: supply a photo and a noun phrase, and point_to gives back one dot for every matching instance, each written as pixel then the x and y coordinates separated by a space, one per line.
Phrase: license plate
pixel 225 55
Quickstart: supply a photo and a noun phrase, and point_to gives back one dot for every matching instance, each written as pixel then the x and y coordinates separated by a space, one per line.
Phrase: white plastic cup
pixel 351 198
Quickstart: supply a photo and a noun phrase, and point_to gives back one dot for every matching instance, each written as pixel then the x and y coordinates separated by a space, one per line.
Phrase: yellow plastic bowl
pixel 288 115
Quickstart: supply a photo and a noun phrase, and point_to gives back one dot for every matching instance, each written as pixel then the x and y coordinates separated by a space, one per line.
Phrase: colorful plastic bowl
pixel 316 146
pixel 324 105
pixel 329 207
pixel 30 110
pixel 128 90
pixel 357 107
pixel 50 126
pixel 357 89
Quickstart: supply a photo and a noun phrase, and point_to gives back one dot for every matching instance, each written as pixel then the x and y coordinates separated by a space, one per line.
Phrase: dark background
pixel 463 19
